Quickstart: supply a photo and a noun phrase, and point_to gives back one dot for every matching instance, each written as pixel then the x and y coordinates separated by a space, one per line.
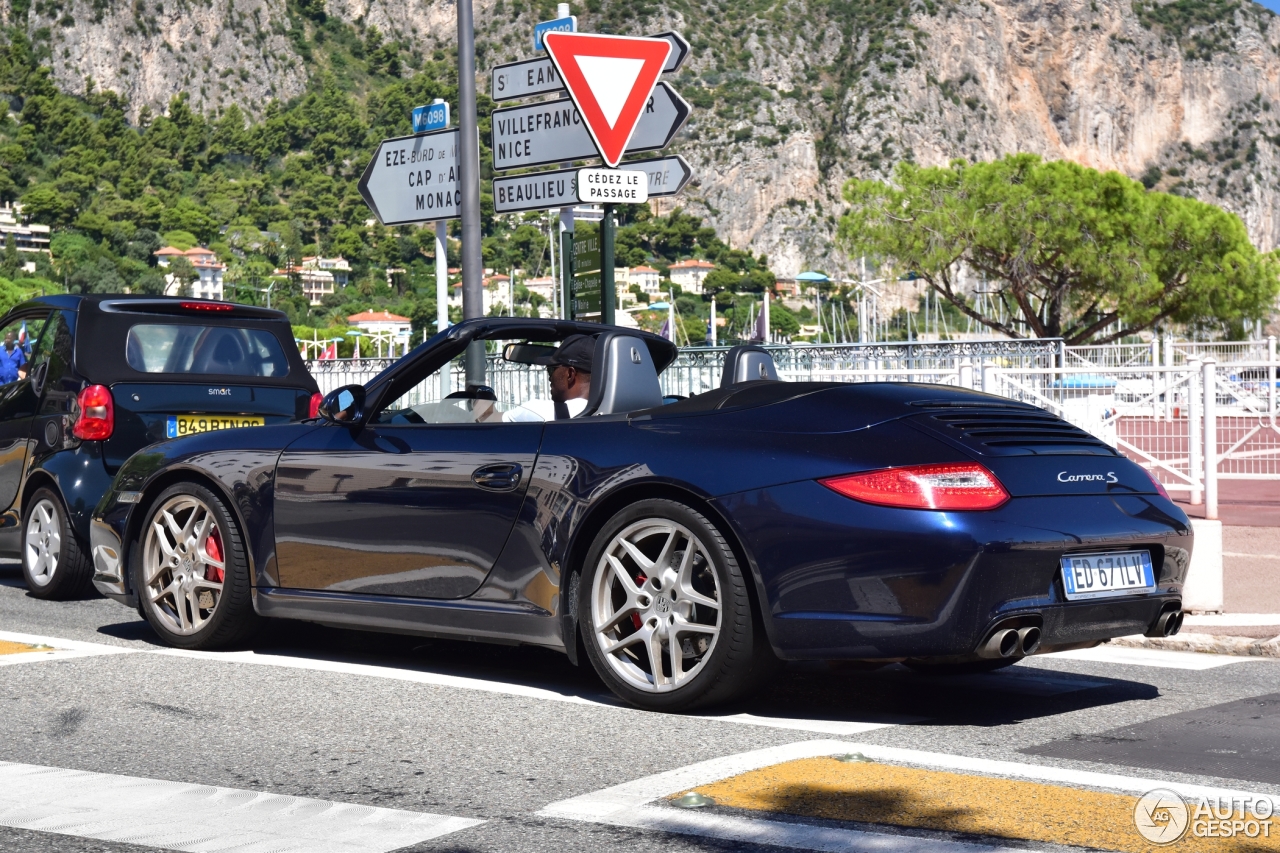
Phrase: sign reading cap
pixel 610 79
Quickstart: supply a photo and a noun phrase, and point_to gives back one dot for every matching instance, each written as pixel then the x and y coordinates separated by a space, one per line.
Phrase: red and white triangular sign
pixel 610 79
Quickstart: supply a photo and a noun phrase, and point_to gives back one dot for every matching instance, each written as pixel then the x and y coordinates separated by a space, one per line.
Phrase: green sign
pixel 586 278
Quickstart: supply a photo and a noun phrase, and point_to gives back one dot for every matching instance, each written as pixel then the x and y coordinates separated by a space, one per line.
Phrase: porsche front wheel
pixel 664 610
pixel 191 571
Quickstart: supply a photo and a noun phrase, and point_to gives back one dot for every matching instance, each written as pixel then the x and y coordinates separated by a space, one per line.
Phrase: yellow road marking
pixel 10 648
pixel 954 802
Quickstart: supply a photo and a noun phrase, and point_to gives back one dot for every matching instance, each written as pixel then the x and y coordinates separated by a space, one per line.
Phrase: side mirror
pixel 344 405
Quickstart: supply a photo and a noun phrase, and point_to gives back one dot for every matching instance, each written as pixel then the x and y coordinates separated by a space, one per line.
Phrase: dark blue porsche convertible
pixel 683 547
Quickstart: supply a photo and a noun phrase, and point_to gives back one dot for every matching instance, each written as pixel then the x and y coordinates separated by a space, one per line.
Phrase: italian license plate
pixel 180 425
pixel 1104 575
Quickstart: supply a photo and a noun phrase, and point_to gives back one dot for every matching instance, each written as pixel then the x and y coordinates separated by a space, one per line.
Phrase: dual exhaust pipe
pixel 1011 642
pixel 1169 623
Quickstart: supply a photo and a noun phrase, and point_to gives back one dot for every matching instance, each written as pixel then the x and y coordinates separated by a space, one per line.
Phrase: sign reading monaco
pixel 610 79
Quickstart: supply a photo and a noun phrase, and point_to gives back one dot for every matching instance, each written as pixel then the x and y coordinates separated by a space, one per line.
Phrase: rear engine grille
pixel 1026 432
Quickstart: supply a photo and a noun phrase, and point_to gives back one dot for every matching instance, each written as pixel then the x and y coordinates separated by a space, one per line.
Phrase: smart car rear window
pixel 205 350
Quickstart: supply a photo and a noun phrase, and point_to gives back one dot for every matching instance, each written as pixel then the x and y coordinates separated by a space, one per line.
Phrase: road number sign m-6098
pixel 414 179
pixel 431 117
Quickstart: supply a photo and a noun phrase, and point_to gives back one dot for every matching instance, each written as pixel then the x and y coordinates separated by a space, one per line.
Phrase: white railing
pixel 1184 413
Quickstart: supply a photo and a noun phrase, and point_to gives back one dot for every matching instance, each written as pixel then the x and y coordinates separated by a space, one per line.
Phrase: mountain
pixel 791 97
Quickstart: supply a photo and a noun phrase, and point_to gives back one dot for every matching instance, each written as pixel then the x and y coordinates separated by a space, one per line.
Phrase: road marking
pixel 891 795
pixel 635 804
pixel 53 649
pixel 203 818
pixel 1149 657
pixel 389 671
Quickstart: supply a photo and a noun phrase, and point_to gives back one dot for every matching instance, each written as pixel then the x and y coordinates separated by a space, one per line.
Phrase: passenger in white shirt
pixel 569 372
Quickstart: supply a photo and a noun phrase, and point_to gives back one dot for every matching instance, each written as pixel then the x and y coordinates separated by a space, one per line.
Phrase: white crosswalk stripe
pixel 203 818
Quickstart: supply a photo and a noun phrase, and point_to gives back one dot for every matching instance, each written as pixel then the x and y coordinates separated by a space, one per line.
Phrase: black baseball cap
pixel 575 351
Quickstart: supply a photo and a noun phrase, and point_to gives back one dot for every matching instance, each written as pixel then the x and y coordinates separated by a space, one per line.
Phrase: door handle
pixel 501 477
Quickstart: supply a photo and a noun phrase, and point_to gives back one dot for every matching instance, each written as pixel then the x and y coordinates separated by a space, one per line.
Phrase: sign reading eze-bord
pixel 553 131
pixel 414 179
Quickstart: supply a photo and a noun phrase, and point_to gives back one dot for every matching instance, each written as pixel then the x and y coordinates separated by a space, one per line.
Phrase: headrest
pixel 747 363
pixel 624 379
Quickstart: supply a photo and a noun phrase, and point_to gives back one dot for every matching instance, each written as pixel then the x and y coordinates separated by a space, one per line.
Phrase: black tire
pixel 232 619
pixel 736 659
pixel 925 666
pixel 55 564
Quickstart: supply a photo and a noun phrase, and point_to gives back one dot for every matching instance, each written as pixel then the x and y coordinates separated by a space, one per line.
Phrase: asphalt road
pixel 498 734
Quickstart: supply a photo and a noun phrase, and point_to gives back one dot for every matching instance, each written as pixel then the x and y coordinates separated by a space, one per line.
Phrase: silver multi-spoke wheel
pixel 43 543
pixel 184 564
pixel 655 605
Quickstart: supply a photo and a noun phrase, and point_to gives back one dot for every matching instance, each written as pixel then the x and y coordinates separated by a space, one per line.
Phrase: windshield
pixel 164 348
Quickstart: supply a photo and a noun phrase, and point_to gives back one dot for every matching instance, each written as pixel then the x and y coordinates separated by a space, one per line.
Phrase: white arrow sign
pixel 553 131
pixel 530 77
pixel 414 179
pixel 559 188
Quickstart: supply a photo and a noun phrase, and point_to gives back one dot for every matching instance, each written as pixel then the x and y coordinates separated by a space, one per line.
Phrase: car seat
pixel 747 363
pixel 624 378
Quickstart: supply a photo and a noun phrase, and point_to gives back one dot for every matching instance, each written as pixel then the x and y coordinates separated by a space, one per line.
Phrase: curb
pixel 1205 643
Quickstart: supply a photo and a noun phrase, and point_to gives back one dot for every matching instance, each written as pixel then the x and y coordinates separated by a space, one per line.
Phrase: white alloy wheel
pixel 42 545
pixel 655 605
pixel 183 564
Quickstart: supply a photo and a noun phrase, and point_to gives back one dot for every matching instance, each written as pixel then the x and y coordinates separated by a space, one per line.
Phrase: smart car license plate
pixel 1104 575
pixel 180 425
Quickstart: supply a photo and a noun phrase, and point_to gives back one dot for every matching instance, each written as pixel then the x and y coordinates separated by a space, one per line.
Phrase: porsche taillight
pixel 947 486
pixel 1160 489
pixel 97 418
pixel 314 409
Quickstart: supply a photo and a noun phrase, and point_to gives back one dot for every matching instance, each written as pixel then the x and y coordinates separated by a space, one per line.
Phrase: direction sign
pixel 553 131
pixel 414 179
pixel 431 117
pixel 587 293
pixel 559 187
pixel 610 79
pixel 559 25
pixel 531 77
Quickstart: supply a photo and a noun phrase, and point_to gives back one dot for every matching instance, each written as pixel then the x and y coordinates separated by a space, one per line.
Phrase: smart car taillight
pixel 949 486
pixel 314 410
pixel 97 419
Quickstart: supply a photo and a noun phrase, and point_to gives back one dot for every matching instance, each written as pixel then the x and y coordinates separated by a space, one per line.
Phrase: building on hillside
pixel 647 278
pixel 208 281
pixel 690 274
pixel 544 286
pixel 28 239
pixel 337 267
pixel 383 331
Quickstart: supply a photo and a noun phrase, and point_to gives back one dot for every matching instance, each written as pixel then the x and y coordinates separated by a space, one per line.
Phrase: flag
pixel 330 352
pixel 709 322
pixel 762 328
pixel 665 332
pixel 22 338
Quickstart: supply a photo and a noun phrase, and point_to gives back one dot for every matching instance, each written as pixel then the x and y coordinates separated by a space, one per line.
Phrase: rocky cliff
pixel 792 96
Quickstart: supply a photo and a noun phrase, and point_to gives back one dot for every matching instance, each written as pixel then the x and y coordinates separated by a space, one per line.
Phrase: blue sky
pixel 1273 5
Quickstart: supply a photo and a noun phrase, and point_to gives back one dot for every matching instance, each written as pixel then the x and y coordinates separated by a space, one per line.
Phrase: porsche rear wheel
pixel 191 572
pixel 664 610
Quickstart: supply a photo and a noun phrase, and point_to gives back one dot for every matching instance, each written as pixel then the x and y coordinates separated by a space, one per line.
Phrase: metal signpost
pixel 414 179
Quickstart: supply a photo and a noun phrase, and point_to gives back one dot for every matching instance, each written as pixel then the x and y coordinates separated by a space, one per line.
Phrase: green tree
pixel 183 274
pixel 1071 252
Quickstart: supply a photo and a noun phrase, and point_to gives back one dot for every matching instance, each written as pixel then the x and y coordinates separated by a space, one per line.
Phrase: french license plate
pixel 180 425
pixel 1104 575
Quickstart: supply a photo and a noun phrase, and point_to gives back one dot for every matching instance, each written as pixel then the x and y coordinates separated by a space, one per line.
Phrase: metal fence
pixel 1191 413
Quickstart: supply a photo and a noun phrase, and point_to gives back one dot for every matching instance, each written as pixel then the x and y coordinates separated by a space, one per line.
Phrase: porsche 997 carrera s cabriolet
pixel 681 546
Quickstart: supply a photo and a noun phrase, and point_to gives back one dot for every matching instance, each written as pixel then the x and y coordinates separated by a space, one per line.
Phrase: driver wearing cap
pixel 569 372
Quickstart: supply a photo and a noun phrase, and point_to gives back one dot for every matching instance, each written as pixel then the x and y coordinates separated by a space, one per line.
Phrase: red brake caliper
pixel 635 617
pixel 213 547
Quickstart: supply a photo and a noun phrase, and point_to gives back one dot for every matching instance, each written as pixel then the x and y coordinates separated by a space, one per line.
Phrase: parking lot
pixel 438 745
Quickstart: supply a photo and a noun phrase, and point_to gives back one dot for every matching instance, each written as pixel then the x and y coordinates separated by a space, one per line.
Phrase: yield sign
pixel 610 79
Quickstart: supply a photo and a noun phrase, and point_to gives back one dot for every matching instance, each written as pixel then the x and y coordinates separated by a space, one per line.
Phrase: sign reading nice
pixel 610 79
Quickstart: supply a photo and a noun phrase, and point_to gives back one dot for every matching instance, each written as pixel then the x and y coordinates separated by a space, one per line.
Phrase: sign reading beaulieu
pixel 414 179
pixel 559 187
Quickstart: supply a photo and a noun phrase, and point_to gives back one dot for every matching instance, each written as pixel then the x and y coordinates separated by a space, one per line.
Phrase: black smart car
pixel 85 381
